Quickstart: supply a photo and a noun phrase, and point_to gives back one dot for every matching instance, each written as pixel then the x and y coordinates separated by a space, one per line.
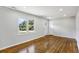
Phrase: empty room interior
pixel 39 29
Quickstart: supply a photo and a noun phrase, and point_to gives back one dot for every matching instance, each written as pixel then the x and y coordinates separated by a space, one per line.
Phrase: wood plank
pixel 48 43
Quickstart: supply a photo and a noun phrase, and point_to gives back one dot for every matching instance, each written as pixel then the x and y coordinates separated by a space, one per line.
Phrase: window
pixel 22 25
pixel 31 25
pixel 25 25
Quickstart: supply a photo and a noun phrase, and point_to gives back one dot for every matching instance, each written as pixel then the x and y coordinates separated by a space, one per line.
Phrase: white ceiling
pixel 49 11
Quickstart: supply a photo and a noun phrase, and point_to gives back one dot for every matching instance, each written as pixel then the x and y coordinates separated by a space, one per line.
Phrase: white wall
pixel 63 27
pixel 8 27
pixel 77 28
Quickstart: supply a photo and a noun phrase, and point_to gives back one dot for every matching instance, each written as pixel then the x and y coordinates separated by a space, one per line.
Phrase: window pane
pixel 31 25
pixel 22 24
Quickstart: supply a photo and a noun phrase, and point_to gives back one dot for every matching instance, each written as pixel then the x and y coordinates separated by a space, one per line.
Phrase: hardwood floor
pixel 47 44
pixel 58 45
